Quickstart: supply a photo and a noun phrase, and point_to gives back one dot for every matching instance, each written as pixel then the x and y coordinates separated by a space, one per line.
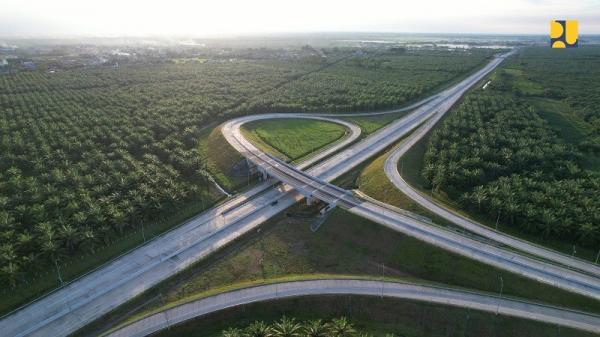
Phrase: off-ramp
pixel 442 296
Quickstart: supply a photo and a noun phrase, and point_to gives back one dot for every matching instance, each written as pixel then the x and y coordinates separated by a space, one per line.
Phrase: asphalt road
pixel 391 170
pixel 89 297
pixel 430 294
pixel 96 293
pixel 313 184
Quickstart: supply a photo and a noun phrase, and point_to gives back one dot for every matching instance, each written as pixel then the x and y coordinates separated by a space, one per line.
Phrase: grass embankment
pixel 224 163
pixel 370 124
pixel 293 139
pixel 345 245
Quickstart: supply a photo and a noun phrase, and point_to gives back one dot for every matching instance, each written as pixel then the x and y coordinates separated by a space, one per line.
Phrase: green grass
pixel 224 163
pixel 370 124
pixel 570 127
pixel 374 182
pixel 293 139
pixel 346 245
pixel 378 316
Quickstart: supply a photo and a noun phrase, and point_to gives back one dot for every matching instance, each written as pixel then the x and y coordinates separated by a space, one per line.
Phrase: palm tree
pixel 258 329
pixel 479 195
pixel 89 239
pixel 70 236
pixel 549 220
pixel 286 327
pixel 340 327
pixel 315 328
pixel 11 272
pixel 511 209
pixel 206 177
pixel 232 332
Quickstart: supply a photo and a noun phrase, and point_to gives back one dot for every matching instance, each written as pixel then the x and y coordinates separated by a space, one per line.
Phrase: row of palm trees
pixel 87 156
pixel 289 327
pixel 497 157
pixel 353 86
pixel 90 156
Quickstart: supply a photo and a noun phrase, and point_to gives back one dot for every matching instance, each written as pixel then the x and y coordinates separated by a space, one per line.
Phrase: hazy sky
pixel 226 17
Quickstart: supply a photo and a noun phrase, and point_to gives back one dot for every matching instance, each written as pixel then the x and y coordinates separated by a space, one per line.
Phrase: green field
pixel 293 139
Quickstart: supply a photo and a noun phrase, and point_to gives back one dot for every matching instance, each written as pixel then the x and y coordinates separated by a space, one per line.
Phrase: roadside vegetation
pixel 336 327
pixel 510 153
pixel 370 124
pixel 223 162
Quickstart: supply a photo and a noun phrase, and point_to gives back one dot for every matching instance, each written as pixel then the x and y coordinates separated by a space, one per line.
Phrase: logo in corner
pixel 564 33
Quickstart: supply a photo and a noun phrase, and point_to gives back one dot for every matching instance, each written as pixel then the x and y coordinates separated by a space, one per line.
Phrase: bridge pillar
pixel 327 208
pixel 264 175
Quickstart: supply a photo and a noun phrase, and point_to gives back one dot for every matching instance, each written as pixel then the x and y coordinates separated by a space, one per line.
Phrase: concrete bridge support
pixel 264 175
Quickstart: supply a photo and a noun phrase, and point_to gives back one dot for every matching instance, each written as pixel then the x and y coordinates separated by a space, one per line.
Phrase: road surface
pixel 391 170
pixel 91 296
pixel 430 294
pixel 71 307
pixel 314 184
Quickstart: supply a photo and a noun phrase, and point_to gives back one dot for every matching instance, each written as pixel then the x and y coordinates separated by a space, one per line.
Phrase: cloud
pixel 200 18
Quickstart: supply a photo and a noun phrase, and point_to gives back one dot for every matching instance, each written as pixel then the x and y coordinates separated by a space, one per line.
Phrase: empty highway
pixel 407 291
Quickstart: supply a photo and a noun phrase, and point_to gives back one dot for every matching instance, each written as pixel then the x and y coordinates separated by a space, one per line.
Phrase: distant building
pixel 3 63
pixel 29 65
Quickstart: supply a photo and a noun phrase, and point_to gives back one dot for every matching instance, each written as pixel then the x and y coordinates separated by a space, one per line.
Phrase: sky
pixel 205 18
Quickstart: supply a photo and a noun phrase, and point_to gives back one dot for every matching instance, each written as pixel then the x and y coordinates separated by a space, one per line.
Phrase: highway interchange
pixel 89 297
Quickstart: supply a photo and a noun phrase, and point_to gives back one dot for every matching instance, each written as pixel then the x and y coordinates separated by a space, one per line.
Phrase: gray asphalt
pixel 89 297
pixel 392 172
pixel 437 295
pixel 314 185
